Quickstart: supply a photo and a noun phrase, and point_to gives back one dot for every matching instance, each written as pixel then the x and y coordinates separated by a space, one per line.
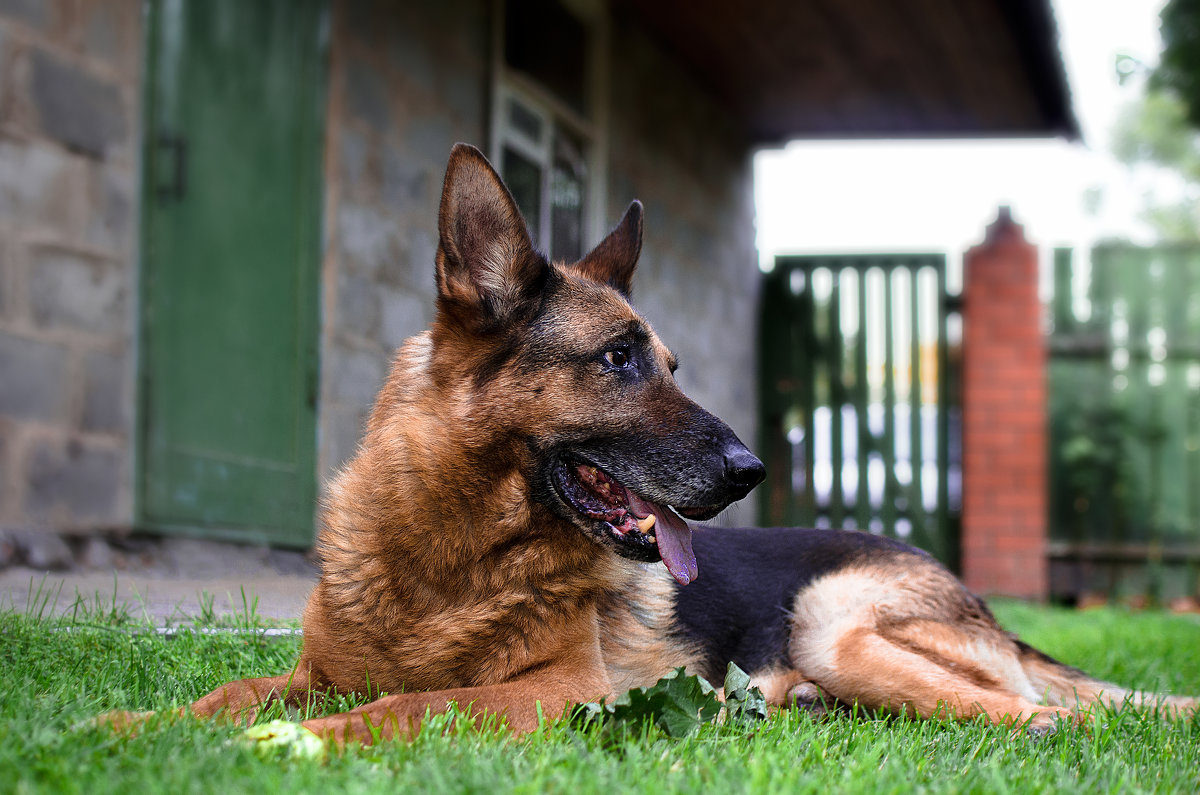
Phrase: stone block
pixel 8 301
pixel 430 137
pixel 80 111
pixel 341 430
pixel 408 186
pixel 366 236
pixel 412 50
pixel 112 218
pixel 96 553
pixel 355 375
pixel 111 31
pixel 9 554
pixel 403 314
pixel 105 407
pixel 44 550
pixel 466 95
pixel 353 152
pixel 6 472
pixel 34 13
pixel 34 379
pixel 367 95
pixel 39 184
pixel 357 304
pixel 72 484
pixel 67 290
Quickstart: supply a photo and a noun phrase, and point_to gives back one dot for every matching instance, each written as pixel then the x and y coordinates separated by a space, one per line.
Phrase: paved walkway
pixel 163 599
pixel 169 581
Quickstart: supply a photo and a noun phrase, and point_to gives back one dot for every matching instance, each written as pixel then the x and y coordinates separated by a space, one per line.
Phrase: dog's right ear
pixel 487 269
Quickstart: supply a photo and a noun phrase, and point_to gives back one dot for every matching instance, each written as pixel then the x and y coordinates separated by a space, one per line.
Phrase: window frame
pixel 591 129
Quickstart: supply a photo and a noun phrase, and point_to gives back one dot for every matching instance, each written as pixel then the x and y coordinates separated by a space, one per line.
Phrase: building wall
pixel 407 80
pixel 69 100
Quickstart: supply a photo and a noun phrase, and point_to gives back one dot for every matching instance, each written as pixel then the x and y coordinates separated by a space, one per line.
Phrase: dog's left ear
pixel 614 259
pixel 487 269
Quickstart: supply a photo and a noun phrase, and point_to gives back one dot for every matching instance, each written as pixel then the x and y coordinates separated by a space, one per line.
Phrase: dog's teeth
pixel 653 540
pixel 645 524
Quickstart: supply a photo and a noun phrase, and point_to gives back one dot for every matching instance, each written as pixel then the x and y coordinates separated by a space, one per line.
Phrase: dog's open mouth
pixel 633 522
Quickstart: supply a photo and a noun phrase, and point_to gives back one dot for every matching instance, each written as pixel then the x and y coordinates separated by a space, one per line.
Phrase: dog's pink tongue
pixel 674 538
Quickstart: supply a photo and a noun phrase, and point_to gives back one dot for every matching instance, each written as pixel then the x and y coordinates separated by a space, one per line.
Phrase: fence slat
pixel 917 514
pixel 862 397
pixel 837 397
pixel 888 512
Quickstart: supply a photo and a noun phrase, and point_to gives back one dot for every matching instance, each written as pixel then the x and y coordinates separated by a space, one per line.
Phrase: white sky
pixel 938 196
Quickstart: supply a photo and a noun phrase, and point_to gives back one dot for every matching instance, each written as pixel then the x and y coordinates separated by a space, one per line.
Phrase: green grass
pixel 57 672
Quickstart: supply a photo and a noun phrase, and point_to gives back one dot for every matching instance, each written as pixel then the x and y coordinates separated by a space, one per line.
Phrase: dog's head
pixel 556 360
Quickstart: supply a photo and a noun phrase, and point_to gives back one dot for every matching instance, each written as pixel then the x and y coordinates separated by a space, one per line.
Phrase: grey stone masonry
pixel 407 80
pixel 70 74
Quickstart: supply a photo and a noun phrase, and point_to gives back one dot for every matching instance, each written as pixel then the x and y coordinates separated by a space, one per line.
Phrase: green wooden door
pixel 234 112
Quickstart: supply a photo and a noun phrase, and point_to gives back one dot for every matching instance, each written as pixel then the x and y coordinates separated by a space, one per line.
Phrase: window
pixel 544 121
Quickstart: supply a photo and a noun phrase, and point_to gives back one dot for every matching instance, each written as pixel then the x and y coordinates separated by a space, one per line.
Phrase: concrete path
pixel 162 599
pixel 169 580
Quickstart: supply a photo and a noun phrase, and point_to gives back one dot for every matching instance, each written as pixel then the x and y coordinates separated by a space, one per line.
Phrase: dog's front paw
pixel 118 721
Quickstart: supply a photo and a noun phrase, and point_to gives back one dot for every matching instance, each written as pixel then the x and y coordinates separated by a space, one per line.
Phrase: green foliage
pixel 1179 69
pixel 678 704
pixel 1156 130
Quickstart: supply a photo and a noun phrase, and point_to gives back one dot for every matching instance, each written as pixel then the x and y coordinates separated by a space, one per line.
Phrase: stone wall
pixel 69 100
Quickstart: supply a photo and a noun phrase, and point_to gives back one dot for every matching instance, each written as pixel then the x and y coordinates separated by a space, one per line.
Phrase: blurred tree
pixel 1155 130
pixel 1179 70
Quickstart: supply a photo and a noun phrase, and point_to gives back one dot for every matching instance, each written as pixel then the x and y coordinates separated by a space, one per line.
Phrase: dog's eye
pixel 617 357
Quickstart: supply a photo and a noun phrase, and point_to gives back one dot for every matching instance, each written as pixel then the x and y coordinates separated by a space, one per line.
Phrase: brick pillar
pixel 1004 417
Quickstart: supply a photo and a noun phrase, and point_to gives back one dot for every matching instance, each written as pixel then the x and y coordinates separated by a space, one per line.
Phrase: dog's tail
pixel 1065 686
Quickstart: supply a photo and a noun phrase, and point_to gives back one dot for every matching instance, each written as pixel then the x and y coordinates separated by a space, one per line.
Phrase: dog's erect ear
pixel 613 260
pixel 487 269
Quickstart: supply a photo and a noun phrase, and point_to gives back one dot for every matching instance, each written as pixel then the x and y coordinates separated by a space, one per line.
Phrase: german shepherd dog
pixel 512 534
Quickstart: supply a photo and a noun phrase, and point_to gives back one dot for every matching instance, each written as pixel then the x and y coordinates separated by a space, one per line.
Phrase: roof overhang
pixel 871 68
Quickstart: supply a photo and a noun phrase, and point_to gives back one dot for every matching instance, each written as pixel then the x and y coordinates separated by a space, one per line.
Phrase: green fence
pixel 860 412
pixel 1125 422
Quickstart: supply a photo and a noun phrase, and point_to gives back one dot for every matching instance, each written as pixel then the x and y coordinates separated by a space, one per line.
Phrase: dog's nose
pixel 743 469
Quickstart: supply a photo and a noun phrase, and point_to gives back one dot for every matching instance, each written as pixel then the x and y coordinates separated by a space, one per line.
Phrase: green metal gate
pixel 860 419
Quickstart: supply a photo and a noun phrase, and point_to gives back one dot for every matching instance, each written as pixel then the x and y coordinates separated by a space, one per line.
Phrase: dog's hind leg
pixel 932 671
pixel 910 638
pixel 1067 686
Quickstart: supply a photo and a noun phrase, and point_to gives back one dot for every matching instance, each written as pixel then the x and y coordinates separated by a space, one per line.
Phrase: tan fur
pixel 636 621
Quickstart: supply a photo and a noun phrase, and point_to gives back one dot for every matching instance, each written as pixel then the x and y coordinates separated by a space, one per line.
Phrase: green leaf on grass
pixel 678 704
pixel 742 702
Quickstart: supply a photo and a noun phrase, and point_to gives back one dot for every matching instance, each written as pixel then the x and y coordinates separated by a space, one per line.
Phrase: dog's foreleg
pixel 520 704
pixel 242 700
